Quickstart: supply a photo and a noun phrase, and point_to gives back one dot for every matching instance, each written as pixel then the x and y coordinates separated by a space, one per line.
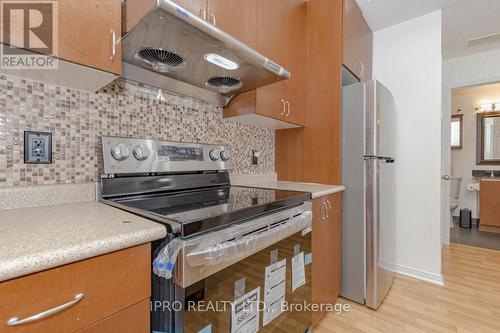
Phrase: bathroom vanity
pixel 489 198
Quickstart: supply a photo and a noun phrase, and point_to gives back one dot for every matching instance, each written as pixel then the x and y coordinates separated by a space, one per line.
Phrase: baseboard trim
pixel 414 273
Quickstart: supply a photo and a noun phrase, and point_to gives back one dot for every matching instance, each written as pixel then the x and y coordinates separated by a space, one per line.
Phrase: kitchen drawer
pixel 109 283
pixel 134 319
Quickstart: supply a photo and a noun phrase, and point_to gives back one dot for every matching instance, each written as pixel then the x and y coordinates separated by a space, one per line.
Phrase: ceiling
pixel 471 27
pixel 381 14
pixel 463 21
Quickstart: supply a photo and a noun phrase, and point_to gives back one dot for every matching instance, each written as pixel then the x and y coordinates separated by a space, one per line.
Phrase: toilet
pixel 455 192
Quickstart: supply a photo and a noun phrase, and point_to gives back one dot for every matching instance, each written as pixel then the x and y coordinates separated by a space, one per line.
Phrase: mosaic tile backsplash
pixel 78 119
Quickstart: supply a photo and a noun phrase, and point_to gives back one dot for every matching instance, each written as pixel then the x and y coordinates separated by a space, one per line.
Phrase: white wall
pixel 471 70
pixel 463 161
pixel 407 59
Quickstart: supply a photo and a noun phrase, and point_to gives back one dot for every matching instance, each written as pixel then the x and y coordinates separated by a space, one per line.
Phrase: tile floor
pixel 474 237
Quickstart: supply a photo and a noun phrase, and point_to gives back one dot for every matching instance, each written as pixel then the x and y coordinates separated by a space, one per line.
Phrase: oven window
pixel 219 289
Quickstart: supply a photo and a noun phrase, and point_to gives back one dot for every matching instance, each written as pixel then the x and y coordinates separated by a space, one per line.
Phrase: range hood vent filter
pixel 161 60
pixel 223 84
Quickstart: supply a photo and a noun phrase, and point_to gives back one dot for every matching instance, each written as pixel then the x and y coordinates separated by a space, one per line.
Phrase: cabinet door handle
pixel 14 321
pixel 289 108
pixel 324 211
pixel 203 13
pixel 212 16
pixel 113 44
pixel 361 69
pixel 329 204
pixel 284 107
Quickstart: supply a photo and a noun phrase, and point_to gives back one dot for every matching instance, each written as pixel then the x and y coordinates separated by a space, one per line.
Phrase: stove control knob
pixel 141 152
pixel 225 156
pixel 214 154
pixel 120 152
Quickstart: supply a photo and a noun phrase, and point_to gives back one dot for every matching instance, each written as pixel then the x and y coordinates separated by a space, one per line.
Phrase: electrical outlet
pixel 37 147
pixel 255 156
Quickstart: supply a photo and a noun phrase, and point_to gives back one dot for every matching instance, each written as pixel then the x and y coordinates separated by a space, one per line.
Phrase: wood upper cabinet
pixel 196 7
pixel 295 61
pixel 237 18
pixel 489 202
pixel 136 10
pixel 312 153
pixel 271 23
pixel 326 247
pixel 358 42
pixel 280 36
pixel 89 33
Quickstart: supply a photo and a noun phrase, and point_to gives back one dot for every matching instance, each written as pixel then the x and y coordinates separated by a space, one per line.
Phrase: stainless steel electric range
pixel 225 245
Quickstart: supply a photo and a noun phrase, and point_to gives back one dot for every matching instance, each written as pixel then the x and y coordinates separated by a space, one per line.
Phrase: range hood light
pixel 221 61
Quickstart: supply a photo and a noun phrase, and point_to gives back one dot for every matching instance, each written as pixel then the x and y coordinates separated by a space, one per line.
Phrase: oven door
pixel 203 256
pixel 208 303
pixel 215 270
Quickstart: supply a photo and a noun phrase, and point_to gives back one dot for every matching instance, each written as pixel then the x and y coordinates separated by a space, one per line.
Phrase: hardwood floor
pixel 469 301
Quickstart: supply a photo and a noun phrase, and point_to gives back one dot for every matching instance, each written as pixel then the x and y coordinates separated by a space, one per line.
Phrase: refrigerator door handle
pixel 387 159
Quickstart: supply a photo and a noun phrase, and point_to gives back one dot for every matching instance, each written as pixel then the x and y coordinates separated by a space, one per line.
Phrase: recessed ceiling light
pixel 221 61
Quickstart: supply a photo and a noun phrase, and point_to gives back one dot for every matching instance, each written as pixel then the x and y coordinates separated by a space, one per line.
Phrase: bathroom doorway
pixel 470 144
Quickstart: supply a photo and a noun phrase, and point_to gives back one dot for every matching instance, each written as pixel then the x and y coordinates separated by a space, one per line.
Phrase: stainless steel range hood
pixel 177 51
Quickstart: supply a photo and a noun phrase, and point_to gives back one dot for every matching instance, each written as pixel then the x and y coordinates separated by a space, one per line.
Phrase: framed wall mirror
pixel 457 131
pixel 488 138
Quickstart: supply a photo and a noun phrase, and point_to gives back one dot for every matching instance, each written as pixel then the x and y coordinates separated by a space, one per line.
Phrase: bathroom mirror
pixel 488 138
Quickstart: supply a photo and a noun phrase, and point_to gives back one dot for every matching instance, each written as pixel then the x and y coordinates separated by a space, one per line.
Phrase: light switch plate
pixel 37 147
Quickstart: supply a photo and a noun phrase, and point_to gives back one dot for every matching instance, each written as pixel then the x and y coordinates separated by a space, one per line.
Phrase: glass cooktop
pixel 203 210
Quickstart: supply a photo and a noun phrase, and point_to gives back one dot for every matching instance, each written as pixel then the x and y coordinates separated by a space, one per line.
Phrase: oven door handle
pixel 248 245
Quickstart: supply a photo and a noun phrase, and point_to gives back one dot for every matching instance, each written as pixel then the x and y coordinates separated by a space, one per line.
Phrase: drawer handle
pixel 14 321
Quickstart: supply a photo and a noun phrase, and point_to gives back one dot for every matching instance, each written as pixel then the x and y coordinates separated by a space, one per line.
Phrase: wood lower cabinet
pixel 326 247
pixel 89 33
pixel 134 319
pixel 489 210
pixel 109 284
pixel 358 42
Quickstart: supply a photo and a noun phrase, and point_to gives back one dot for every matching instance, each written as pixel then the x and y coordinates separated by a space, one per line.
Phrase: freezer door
pixel 380 121
pixel 380 229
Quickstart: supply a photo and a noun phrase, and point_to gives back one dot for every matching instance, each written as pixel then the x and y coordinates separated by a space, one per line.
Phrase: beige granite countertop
pixel 35 239
pixel 269 181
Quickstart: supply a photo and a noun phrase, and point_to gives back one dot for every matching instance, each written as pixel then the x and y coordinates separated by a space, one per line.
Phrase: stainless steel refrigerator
pixel 368 162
